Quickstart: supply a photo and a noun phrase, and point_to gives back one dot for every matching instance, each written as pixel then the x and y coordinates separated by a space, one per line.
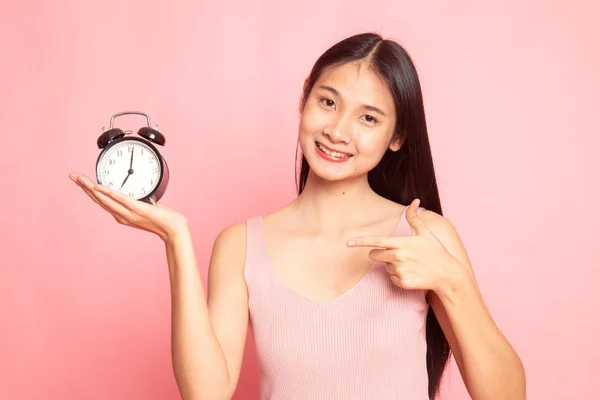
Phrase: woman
pixel 352 290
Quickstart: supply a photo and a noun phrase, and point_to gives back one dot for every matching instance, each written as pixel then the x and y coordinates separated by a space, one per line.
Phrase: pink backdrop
pixel 511 92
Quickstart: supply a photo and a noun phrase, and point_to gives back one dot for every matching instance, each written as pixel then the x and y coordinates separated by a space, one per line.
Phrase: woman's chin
pixel 332 175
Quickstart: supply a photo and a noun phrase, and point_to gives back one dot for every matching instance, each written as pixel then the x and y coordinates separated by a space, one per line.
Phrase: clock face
pixel 131 167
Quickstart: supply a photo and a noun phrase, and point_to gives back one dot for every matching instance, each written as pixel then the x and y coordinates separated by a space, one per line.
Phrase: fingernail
pixel 72 177
pixel 351 243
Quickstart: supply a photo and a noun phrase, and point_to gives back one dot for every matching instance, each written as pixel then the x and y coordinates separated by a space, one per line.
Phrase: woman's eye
pixel 328 102
pixel 370 119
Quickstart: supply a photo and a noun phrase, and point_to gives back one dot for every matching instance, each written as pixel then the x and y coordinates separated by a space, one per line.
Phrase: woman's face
pixel 347 123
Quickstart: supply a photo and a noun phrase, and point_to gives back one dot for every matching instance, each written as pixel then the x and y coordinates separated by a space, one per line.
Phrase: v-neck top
pixel 368 343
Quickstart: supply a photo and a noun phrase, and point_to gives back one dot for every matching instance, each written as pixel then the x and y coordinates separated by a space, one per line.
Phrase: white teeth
pixel 332 153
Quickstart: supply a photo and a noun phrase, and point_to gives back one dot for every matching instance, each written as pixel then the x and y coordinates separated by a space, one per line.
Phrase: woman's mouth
pixel 331 155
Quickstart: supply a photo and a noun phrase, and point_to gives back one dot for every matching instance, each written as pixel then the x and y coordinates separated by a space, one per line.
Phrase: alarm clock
pixel 130 164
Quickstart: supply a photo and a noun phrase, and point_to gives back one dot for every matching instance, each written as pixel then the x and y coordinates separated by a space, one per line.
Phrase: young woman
pixel 357 289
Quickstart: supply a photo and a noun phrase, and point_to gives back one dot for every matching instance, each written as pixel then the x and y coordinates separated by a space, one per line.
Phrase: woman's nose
pixel 339 131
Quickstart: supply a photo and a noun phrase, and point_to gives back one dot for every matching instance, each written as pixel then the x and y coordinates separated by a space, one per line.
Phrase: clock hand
pixel 122 184
pixel 130 171
pixel 131 161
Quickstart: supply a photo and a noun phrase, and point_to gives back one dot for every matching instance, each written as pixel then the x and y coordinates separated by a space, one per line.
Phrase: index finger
pixel 384 242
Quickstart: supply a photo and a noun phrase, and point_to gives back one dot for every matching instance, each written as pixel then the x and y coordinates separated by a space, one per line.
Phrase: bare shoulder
pixel 445 231
pixel 228 253
pixel 438 224
pixel 231 237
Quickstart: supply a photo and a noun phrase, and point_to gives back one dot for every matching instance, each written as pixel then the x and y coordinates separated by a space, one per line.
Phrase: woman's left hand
pixel 418 261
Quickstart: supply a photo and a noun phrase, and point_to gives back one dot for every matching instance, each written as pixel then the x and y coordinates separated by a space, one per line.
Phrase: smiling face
pixel 347 123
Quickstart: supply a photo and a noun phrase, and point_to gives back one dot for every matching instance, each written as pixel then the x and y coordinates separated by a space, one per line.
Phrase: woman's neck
pixel 334 206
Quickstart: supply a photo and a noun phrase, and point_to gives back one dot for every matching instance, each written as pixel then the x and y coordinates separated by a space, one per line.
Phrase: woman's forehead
pixel 356 81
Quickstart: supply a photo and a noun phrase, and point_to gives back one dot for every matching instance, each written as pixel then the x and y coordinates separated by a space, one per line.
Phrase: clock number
pixel 152 181
pixel 152 160
pixel 119 153
pixel 110 183
pixel 129 149
pixel 106 171
pixel 111 162
pixel 130 194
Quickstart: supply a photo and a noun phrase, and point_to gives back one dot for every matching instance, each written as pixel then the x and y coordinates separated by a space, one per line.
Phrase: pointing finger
pixel 385 242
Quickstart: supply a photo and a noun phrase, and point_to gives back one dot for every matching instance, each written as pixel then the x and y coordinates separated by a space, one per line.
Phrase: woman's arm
pixel 208 336
pixel 488 364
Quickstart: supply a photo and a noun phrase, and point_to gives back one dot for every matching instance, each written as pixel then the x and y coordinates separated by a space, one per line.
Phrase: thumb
pixel 417 225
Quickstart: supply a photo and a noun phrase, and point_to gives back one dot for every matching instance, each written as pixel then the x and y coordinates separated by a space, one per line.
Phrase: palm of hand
pixel 157 219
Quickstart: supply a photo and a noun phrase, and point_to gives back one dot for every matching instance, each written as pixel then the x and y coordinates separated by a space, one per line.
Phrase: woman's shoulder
pixel 231 239
pixel 445 231
pixel 437 222
pixel 233 231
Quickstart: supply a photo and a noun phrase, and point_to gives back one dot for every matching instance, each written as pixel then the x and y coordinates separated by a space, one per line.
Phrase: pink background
pixel 511 92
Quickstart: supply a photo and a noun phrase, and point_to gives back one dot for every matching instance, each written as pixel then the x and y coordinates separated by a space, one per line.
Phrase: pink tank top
pixel 368 343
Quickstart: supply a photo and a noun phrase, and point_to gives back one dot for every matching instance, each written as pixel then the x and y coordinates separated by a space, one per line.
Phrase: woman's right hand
pixel 127 211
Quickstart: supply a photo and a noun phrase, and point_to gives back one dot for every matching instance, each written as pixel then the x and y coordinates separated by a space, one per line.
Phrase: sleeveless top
pixel 368 343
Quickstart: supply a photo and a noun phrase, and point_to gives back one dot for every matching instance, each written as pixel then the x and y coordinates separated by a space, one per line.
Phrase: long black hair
pixel 403 175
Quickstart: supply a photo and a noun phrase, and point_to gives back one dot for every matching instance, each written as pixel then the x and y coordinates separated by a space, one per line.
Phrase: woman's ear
pixel 303 90
pixel 397 143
